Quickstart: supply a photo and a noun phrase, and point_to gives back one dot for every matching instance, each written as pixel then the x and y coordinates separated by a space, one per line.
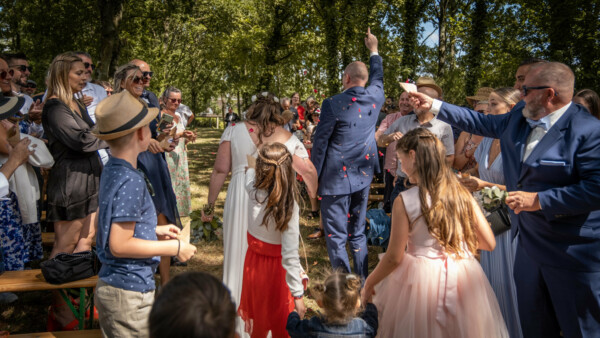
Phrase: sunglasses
pixel 23 68
pixel 175 100
pixel 88 65
pixel 30 86
pixel 16 118
pixel 4 73
pixel 147 74
pixel 137 80
pixel 525 89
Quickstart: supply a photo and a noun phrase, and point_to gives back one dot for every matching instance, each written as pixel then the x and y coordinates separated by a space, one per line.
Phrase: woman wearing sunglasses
pixel 74 180
pixel 152 162
pixel 177 159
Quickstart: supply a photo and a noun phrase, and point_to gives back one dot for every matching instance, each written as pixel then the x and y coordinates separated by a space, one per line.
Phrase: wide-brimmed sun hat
pixel 10 105
pixel 482 94
pixel 426 81
pixel 121 114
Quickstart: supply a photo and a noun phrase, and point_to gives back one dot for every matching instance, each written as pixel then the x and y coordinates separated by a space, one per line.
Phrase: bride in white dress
pixel 263 125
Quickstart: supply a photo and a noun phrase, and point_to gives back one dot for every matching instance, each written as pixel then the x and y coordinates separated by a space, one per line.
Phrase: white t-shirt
pixel 98 93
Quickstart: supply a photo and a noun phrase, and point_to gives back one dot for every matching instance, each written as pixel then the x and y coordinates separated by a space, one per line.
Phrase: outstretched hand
pixel 420 101
pixel 371 41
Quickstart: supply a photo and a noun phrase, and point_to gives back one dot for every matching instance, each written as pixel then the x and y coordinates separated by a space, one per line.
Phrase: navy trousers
pixel 344 221
pixel 553 299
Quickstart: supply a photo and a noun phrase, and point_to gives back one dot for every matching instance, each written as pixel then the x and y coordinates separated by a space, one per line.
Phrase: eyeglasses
pixel 137 80
pixel 175 100
pixel 30 85
pixel 147 74
pixel 23 68
pixel 109 92
pixel 5 73
pixel 525 89
pixel 88 65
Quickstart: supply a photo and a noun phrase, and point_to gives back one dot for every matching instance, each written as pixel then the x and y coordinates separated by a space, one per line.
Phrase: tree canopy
pixel 235 48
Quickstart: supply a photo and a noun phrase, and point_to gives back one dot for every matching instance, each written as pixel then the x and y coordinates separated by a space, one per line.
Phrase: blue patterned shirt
pixel 124 197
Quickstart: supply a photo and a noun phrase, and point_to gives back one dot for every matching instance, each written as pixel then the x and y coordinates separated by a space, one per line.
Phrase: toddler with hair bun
pixel 339 297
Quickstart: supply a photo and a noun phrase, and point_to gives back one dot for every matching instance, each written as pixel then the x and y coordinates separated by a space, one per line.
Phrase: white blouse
pixel 289 239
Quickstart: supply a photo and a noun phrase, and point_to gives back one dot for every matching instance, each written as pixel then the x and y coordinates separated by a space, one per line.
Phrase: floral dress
pixel 180 176
pixel 12 241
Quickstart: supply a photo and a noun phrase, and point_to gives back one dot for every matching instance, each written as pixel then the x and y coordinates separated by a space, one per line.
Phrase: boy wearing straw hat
pixel 127 231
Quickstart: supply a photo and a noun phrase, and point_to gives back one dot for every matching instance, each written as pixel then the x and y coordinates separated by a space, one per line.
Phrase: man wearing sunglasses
pixel 147 95
pixel 551 160
pixel 20 66
pixel 92 93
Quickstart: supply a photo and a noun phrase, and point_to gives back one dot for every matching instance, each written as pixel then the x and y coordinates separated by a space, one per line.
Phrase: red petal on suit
pixel 367 156
pixel 349 235
pixel 380 153
pixel 344 167
pixel 329 235
pixel 359 110
pixel 353 99
pixel 373 105
pixel 348 215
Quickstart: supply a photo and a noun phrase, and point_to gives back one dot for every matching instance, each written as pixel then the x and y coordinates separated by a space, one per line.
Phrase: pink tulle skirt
pixel 438 297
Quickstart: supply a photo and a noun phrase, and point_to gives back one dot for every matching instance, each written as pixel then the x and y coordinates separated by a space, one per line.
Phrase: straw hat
pixel 482 95
pixel 426 81
pixel 120 114
pixel 10 105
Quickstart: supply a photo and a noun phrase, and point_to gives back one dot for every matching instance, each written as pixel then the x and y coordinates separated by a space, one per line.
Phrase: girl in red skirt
pixel 272 286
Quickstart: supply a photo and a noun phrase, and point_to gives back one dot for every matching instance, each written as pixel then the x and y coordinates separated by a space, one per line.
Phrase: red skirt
pixel 266 300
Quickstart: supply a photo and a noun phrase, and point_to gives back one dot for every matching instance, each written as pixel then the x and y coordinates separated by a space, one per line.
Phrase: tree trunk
pixel 111 13
pixel 477 41
pixel 410 37
pixel 443 39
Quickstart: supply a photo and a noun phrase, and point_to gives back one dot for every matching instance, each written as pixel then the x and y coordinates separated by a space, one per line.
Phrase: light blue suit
pixel 345 155
pixel 557 265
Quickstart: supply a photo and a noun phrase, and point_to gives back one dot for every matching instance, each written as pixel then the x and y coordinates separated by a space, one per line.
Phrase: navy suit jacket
pixel 344 149
pixel 564 169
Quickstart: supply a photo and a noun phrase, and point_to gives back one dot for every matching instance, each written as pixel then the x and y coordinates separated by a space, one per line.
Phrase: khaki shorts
pixel 123 313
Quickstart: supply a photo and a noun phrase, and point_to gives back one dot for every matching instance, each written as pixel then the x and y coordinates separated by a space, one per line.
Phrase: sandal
pixel 317 234
pixel 313 215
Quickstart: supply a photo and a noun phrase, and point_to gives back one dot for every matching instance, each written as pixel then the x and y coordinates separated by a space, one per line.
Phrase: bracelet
pixel 299 297
pixel 209 209
pixel 178 247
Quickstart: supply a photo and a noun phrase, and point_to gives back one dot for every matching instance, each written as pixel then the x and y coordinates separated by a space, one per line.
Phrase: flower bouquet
pixel 493 202
pixel 207 231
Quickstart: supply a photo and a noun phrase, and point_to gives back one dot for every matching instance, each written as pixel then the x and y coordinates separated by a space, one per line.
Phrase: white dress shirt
pixel 538 133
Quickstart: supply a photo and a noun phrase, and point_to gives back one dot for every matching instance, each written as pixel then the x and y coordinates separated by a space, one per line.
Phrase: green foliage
pixel 221 49
pixel 206 231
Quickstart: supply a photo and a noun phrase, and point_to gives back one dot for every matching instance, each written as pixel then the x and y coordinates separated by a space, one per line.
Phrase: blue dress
pixel 156 170
pixel 498 264
pixel 11 234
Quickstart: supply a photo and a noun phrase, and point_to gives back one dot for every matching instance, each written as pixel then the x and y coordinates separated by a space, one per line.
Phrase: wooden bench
pixel 61 334
pixel 33 280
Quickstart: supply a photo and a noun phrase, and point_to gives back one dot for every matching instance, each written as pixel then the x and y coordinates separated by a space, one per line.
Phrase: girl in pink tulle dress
pixel 428 283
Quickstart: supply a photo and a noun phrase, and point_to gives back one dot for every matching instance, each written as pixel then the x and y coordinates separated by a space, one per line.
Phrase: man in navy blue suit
pixel 551 157
pixel 345 155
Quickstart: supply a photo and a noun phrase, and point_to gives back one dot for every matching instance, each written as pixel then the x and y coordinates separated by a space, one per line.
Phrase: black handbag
pixel 499 220
pixel 65 268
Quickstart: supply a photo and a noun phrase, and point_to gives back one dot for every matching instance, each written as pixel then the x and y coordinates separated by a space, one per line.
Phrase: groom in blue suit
pixel 345 155
pixel 551 156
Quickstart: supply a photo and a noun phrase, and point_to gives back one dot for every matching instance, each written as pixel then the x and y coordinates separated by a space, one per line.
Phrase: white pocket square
pixel 553 163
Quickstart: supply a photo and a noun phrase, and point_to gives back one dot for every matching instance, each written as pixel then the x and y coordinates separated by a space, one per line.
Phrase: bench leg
pixel 80 315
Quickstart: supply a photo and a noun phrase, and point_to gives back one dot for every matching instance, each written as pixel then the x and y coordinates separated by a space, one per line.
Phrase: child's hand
pixel 366 294
pixel 186 251
pixel 251 161
pixel 300 307
pixel 168 231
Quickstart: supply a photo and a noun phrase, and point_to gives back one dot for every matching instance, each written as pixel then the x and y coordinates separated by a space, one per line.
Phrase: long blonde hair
pixel 58 77
pixel 449 215
pixel 275 175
